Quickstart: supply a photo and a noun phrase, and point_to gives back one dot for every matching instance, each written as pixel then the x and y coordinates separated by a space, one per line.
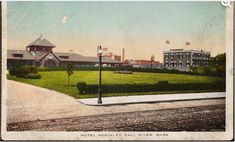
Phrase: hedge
pixel 127 68
pixel 23 71
pixel 123 72
pixel 33 76
pixel 84 88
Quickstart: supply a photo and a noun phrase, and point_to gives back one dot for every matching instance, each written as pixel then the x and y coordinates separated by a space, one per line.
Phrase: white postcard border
pixel 33 135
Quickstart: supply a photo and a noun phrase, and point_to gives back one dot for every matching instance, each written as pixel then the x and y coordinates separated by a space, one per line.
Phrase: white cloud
pixel 64 19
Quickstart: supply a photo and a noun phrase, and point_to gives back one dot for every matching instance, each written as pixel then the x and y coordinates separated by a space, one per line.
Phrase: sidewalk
pixel 151 98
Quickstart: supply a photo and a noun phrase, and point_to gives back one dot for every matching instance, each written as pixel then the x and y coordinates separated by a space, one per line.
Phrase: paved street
pixel 209 118
pixel 35 108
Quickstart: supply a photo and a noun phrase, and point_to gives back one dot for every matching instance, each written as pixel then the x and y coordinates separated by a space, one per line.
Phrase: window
pixel 166 56
pixel 177 55
pixel 64 57
pixel 188 63
pixel 181 56
pixel 166 64
pixel 180 63
pixel 17 55
pixel 188 55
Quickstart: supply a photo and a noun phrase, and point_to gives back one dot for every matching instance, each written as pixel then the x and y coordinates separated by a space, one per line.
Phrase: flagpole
pixel 167 42
pixel 186 44
pixel 166 46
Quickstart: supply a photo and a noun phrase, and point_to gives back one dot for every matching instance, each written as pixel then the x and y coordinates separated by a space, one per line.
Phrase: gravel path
pixel 30 103
pixel 203 118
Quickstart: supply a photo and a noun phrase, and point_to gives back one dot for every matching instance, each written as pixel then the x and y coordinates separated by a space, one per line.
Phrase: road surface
pixel 203 118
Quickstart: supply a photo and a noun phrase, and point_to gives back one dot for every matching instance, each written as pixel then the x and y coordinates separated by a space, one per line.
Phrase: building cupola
pixel 40 44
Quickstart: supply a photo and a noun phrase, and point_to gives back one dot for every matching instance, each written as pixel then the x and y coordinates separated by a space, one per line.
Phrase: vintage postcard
pixel 117 70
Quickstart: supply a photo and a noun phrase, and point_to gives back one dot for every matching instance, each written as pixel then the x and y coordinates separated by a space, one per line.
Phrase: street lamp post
pixel 100 51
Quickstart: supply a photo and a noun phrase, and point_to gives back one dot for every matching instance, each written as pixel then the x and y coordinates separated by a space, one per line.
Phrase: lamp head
pixel 100 51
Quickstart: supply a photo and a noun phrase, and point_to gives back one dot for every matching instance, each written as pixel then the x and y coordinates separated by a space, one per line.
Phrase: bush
pixel 123 72
pixel 23 71
pixel 83 88
pixel 163 82
pixel 42 69
pixel 12 71
pixel 33 76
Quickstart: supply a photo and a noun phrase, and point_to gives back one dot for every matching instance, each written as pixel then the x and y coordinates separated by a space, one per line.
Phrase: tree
pixel 70 67
pixel 219 64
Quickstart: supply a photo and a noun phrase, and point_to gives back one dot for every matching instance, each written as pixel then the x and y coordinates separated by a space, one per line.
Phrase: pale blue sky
pixel 139 27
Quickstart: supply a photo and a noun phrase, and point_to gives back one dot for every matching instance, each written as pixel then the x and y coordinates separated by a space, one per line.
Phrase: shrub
pixel 123 72
pixel 12 71
pixel 42 69
pixel 219 84
pixel 23 71
pixel 33 76
pixel 163 82
pixel 83 88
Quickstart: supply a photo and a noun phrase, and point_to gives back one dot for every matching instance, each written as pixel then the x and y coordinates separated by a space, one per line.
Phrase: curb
pixel 149 101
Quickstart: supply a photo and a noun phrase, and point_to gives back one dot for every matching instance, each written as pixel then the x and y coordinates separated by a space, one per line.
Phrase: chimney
pixel 123 54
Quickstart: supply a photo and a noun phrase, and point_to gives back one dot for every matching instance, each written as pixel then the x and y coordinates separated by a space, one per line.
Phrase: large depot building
pixel 40 53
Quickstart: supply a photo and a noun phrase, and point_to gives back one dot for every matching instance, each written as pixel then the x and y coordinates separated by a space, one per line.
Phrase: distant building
pixel 143 63
pixel 108 55
pixel 184 59
pixel 129 62
pixel 117 58
pixel 147 64
pixel 40 53
pixel 112 56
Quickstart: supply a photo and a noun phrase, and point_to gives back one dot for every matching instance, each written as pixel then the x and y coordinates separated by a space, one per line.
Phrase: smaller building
pixel 117 58
pixel 110 55
pixel 181 59
pixel 143 63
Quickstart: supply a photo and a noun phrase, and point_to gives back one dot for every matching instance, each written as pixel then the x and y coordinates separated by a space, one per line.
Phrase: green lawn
pixel 57 80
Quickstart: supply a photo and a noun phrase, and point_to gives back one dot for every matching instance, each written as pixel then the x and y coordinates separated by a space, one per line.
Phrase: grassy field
pixel 57 80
